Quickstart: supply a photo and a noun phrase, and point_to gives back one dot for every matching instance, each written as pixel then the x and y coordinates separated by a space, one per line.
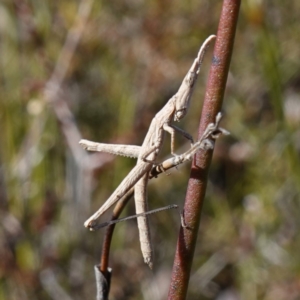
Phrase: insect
pixel 175 109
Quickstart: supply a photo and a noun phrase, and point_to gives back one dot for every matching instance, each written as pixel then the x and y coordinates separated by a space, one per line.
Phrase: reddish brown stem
pixel 104 259
pixel 198 178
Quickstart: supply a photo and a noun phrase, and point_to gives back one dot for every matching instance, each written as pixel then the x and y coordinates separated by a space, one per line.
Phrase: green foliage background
pixel 128 62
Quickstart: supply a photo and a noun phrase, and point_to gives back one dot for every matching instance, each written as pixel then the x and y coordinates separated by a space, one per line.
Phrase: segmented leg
pixel 116 149
pixel 184 133
pixel 171 130
pixel 141 206
pixel 128 182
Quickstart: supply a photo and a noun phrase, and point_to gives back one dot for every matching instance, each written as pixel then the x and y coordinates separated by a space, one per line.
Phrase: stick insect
pixel 175 109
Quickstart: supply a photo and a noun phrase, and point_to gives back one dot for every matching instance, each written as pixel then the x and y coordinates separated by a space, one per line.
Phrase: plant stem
pixel 104 259
pixel 198 178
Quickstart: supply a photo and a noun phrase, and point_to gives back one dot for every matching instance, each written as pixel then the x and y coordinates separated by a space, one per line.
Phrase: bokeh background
pixel 100 70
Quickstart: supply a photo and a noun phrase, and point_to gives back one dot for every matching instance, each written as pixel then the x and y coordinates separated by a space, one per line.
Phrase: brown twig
pixel 198 178
pixel 110 229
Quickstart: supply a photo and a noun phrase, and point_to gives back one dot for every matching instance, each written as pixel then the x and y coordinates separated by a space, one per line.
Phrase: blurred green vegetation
pixel 130 58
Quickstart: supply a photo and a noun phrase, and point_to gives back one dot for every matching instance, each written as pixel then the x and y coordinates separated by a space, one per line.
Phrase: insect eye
pixel 180 114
